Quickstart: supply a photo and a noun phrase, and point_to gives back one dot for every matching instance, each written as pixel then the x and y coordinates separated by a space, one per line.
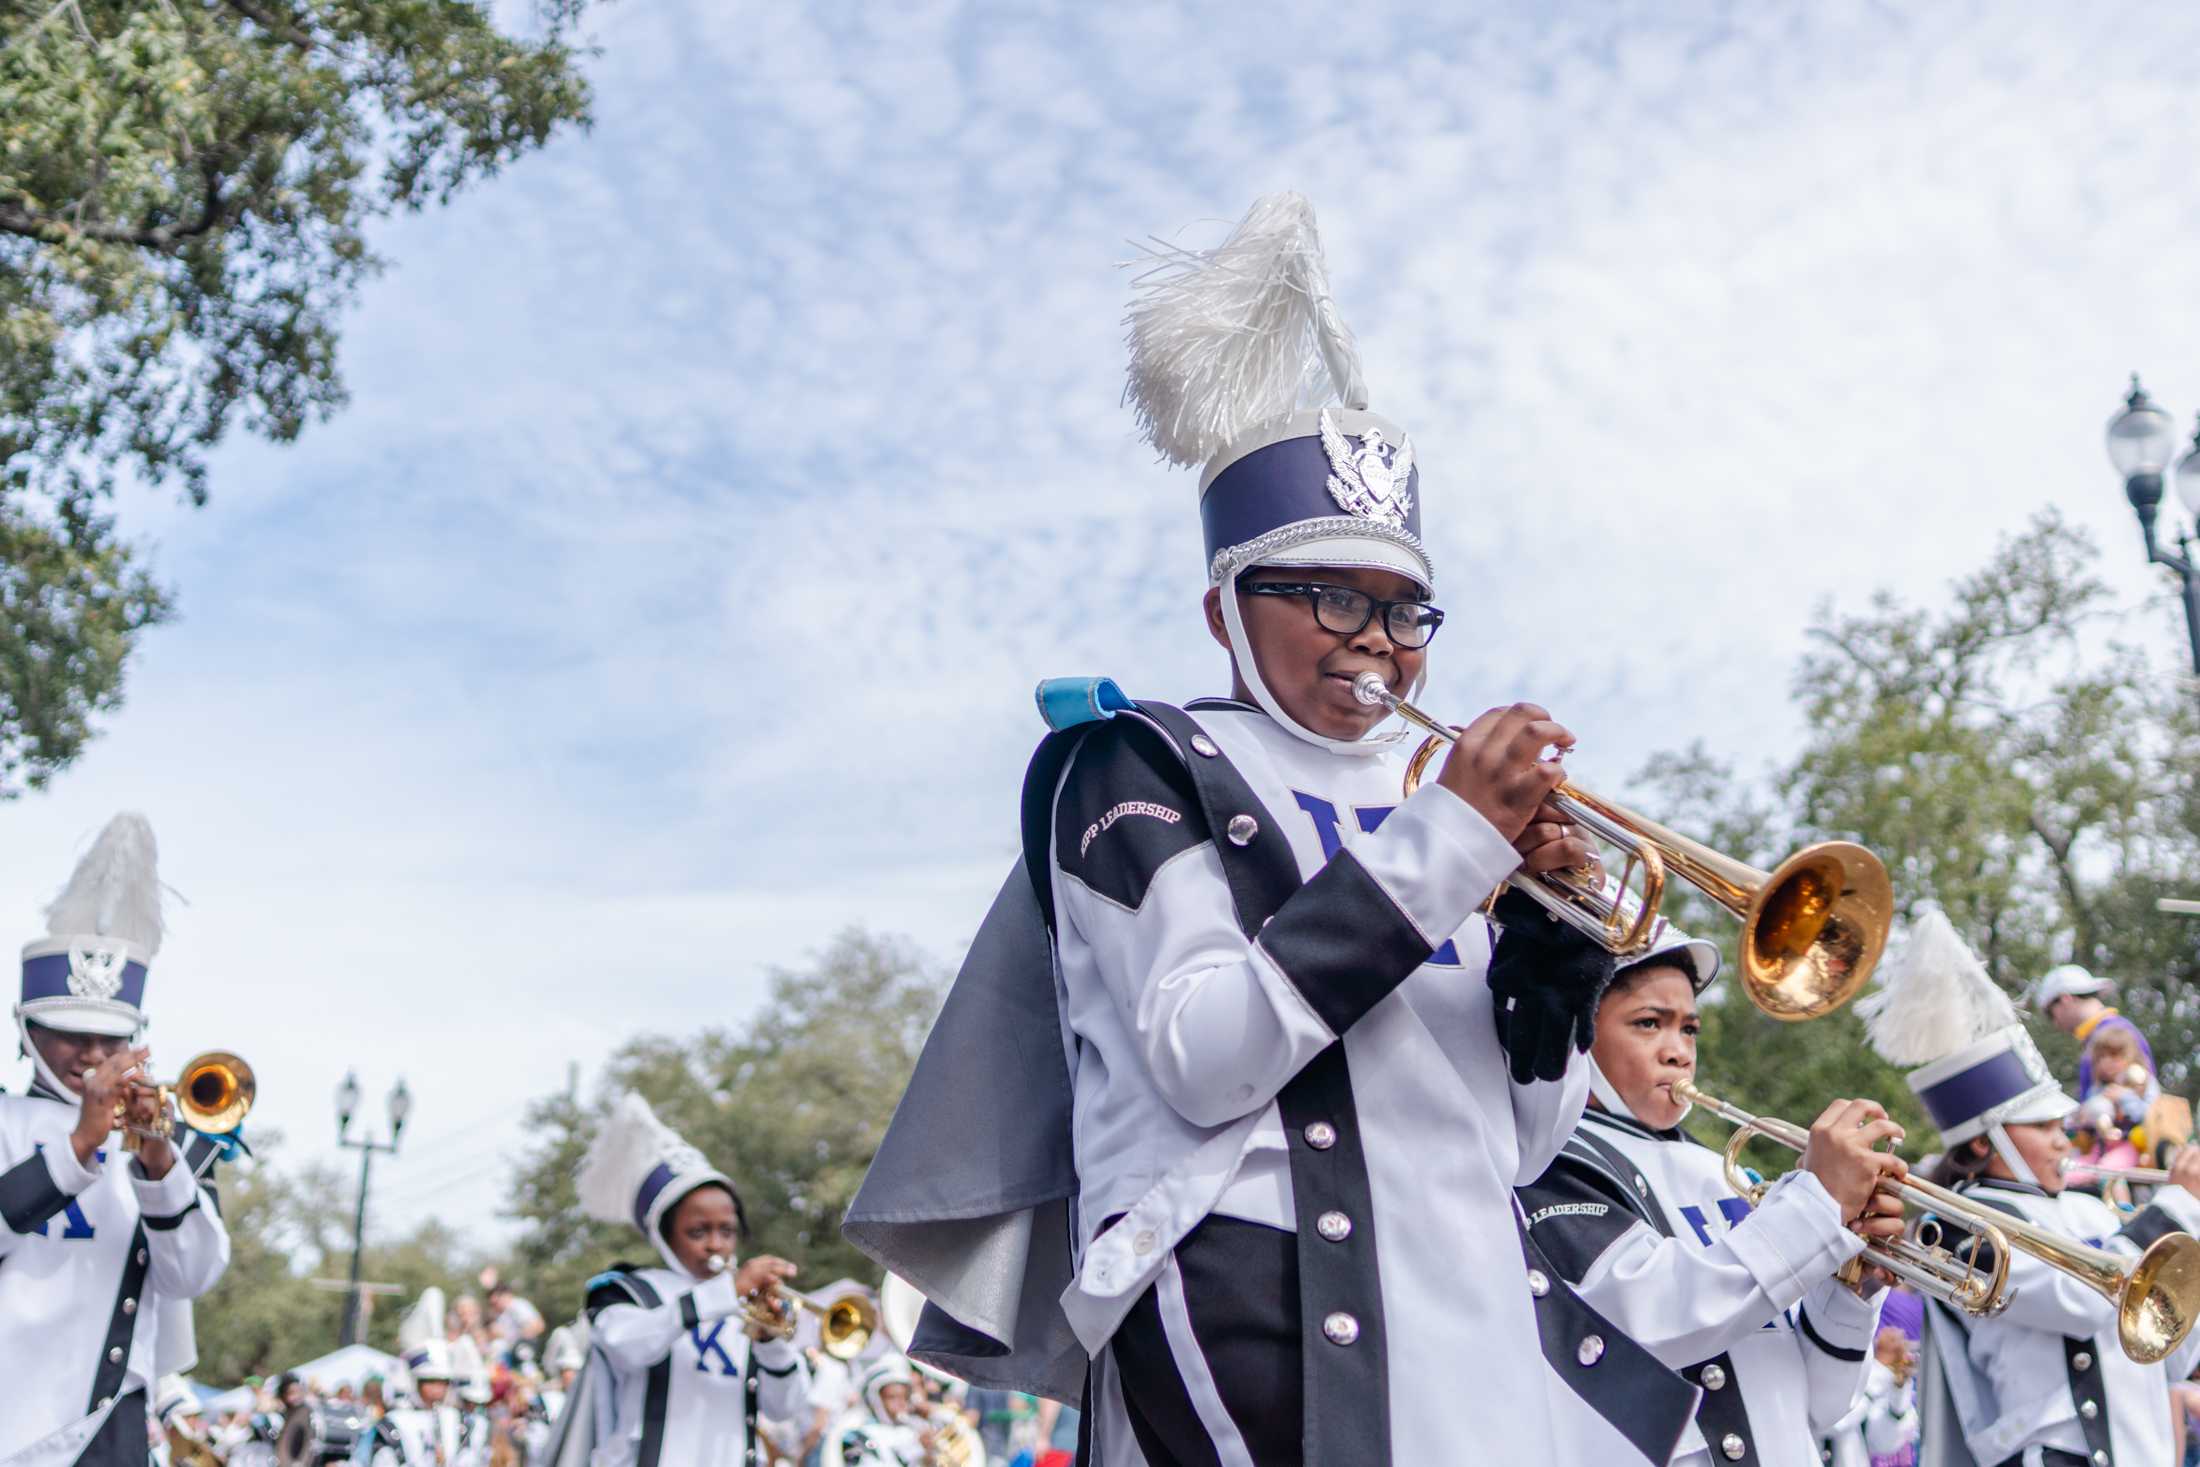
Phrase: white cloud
pixel 717 484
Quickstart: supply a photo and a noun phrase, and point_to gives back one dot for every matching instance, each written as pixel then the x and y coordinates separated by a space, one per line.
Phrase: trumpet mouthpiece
pixel 717 1264
pixel 1368 688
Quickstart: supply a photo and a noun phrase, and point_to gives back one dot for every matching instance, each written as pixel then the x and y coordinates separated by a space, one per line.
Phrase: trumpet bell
pixel 1815 930
pixel 846 1330
pixel 215 1092
pixel 2159 1301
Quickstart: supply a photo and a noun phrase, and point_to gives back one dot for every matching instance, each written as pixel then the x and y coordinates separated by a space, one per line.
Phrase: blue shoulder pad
pixel 1065 702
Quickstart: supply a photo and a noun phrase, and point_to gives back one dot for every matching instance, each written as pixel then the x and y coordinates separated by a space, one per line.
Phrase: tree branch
pixel 280 27
pixel 51 229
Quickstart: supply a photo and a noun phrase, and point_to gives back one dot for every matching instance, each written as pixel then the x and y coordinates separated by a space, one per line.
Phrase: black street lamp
pixel 347 1102
pixel 2141 439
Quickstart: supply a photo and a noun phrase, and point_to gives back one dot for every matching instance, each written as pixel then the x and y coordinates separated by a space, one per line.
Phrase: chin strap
pixel 2010 1157
pixel 38 1063
pixel 1248 666
pixel 1607 1095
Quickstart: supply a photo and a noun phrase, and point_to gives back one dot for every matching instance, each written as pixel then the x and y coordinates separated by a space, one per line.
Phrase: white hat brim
pixel 1365 551
pixel 84 1016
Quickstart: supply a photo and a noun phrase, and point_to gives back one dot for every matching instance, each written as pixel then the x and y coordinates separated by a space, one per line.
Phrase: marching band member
pixel 2045 1382
pixel 431 1431
pixel 1884 1420
pixel 1298 1077
pixel 99 1246
pixel 687 1376
pixel 1639 1216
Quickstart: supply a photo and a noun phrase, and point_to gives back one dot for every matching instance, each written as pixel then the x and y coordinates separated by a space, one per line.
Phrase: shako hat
pixel 1241 366
pixel 1971 1062
pixel 1694 956
pixel 87 974
pixel 638 1169
pixel 421 1342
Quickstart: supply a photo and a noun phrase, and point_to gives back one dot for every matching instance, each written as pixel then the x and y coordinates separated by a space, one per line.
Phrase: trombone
pixel 212 1096
pixel 1813 927
pixel 2157 1295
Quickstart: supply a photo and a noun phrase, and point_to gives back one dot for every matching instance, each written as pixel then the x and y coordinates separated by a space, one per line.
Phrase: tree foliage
pixel 185 192
pixel 2010 761
pixel 793 1108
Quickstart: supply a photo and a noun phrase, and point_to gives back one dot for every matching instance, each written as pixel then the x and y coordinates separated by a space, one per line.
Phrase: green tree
pixel 793 1108
pixel 185 192
pixel 2009 760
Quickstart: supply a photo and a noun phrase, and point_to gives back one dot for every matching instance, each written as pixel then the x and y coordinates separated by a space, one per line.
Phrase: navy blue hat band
pixel 660 1177
pixel 1971 1093
pixel 47 976
pixel 1282 484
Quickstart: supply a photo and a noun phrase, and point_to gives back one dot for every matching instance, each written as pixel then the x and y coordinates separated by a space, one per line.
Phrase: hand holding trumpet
pixel 117 1093
pixel 1843 1153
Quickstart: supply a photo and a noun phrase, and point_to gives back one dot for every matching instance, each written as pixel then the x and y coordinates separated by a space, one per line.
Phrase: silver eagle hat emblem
pixel 1372 481
pixel 96 972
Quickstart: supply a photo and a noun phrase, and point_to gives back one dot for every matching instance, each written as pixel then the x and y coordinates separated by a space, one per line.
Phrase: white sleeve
pixel 184 1234
pixel 782 1379
pixel 1836 1328
pixel 1686 1303
pixel 1545 1113
pixel 1224 1022
pixel 39 1171
pixel 636 1338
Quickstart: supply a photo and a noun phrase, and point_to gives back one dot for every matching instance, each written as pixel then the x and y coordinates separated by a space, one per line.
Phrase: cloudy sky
pixel 717 484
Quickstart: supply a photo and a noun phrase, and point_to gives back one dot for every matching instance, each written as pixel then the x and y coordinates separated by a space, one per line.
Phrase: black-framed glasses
pixel 1347 612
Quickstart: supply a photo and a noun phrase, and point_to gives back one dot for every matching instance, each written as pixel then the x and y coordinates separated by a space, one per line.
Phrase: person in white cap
pixel 2044 1383
pixel 1639 1216
pixel 2079 1004
pixel 684 1376
pixel 562 1356
pixel 431 1431
pixel 100 1247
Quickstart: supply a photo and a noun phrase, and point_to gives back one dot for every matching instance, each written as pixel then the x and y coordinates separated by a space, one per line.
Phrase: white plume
pixel 423 1323
pixel 115 891
pixel 1226 339
pixel 630 1145
pixel 1933 998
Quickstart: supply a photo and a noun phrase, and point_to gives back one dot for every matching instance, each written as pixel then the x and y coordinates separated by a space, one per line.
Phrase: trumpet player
pixel 1640 1217
pixel 690 1371
pixel 100 1247
pixel 2047 1382
pixel 1301 1065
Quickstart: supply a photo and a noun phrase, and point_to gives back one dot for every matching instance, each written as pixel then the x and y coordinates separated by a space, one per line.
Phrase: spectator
pixel 511 1318
pixel 2077 1003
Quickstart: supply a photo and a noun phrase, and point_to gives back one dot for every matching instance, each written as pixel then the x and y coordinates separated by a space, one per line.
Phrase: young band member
pixel 1640 1217
pixel 683 1377
pixel 1883 1422
pixel 2045 1382
pixel 432 1429
pixel 1304 1075
pixel 100 1247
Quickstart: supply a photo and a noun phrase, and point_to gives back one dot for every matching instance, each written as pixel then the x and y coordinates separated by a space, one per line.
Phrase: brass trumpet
pixel 844 1327
pixel 2157 1295
pixel 1813 927
pixel 212 1096
pixel 2144 1176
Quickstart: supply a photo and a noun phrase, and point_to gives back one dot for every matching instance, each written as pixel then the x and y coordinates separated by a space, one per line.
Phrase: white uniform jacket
pixel 1744 1303
pixel 439 1436
pixel 685 1381
pixel 2048 1371
pixel 87 1257
pixel 1181 1033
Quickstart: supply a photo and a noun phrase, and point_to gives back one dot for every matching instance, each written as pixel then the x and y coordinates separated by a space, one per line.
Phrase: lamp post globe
pixel 2188 478
pixel 2141 439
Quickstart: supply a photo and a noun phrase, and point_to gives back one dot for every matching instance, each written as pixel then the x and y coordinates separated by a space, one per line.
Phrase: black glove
pixel 1546 977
